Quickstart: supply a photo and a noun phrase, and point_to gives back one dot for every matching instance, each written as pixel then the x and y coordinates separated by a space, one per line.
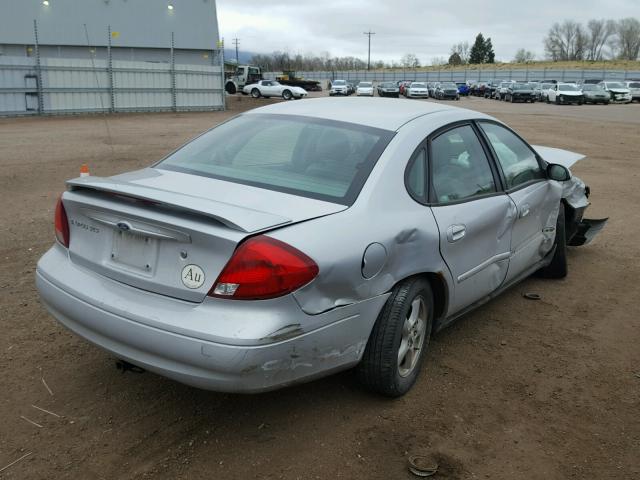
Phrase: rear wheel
pixel 255 93
pixel 558 266
pixel 287 95
pixel 399 340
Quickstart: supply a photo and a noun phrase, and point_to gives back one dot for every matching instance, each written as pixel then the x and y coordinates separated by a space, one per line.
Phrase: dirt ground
pixel 519 389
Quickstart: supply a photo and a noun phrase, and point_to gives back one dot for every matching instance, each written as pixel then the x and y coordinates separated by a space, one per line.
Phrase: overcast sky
pixel 425 28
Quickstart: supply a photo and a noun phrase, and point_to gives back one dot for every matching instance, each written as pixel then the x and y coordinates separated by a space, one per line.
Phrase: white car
pixel 618 91
pixel 501 91
pixel 565 93
pixel 364 89
pixel 417 90
pixel 634 88
pixel 271 88
pixel 339 87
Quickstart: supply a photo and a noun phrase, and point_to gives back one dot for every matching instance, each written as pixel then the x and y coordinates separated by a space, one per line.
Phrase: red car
pixel 403 85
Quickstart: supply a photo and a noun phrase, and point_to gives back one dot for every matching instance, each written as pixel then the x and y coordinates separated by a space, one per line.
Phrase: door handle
pixel 524 210
pixel 456 232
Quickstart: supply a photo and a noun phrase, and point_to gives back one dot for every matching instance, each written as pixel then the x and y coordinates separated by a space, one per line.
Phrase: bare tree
pixel 524 56
pixel 628 30
pixel 409 60
pixel 462 50
pixel 598 34
pixel 438 61
pixel 566 41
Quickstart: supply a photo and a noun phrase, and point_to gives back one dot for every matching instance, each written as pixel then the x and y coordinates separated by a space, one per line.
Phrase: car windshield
pixel 522 86
pixel 591 88
pixel 546 86
pixel 634 84
pixel 339 82
pixel 615 85
pixel 505 84
pixel 418 85
pixel 305 156
pixel 567 88
pixel 365 84
pixel 448 85
pixel 388 85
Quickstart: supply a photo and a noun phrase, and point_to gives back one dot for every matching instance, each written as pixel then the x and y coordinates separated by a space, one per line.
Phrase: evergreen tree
pixel 489 54
pixel 478 51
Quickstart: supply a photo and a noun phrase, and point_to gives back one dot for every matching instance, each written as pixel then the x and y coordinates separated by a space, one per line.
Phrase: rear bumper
pixel 167 342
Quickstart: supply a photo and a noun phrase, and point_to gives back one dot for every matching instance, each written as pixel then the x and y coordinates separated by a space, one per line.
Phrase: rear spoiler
pixel 559 156
pixel 233 216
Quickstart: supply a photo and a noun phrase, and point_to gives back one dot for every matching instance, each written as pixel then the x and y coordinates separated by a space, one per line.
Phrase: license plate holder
pixel 133 251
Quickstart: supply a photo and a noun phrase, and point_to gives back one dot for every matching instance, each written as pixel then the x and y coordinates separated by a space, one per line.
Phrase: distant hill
pixel 243 57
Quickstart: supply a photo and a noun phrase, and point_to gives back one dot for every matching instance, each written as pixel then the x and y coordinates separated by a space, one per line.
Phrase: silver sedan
pixel 300 239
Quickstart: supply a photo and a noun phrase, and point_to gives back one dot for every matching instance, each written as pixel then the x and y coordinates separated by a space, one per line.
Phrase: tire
pixel 381 370
pixel 230 88
pixel 255 93
pixel 558 266
pixel 287 95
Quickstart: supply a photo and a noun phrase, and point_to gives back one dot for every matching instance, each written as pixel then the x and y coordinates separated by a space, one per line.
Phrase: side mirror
pixel 558 173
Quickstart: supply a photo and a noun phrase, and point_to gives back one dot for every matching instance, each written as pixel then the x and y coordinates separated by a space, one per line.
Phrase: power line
pixel 369 33
pixel 236 42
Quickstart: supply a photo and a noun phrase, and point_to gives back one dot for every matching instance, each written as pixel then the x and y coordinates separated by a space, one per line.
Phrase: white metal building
pixel 141 30
pixel 73 56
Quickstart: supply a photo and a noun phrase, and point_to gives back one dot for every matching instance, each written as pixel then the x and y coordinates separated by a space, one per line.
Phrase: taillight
pixel 263 267
pixel 61 224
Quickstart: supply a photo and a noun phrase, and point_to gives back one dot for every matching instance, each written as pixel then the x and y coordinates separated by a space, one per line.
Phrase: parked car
pixel 417 90
pixel 271 88
pixel 351 88
pixel 562 93
pixel 520 92
pixel 388 89
pixel 228 265
pixel 539 89
pixel 618 91
pixel 339 87
pixel 478 89
pixel 402 87
pixel 463 88
pixel 501 90
pixel 364 89
pixel 544 91
pixel 431 86
pixel 447 90
pixel 634 88
pixel 490 89
pixel 595 94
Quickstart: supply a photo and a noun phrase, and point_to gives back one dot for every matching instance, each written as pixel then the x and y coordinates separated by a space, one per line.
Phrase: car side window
pixel 417 175
pixel 519 163
pixel 459 167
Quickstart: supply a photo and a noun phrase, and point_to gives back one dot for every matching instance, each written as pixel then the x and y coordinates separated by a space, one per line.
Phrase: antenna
pixel 95 72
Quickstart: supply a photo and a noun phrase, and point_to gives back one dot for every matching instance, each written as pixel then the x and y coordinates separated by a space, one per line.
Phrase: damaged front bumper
pixel 231 347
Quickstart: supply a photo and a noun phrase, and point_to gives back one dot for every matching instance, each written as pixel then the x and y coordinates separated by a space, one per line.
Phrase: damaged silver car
pixel 300 239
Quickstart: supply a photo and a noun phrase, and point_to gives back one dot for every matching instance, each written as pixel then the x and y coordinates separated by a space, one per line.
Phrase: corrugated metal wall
pixel 463 75
pixel 78 85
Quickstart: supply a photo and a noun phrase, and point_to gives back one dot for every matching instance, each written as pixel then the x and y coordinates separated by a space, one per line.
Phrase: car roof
pixel 385 113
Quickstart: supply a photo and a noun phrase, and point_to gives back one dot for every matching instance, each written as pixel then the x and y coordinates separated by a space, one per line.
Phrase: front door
pixel 537 200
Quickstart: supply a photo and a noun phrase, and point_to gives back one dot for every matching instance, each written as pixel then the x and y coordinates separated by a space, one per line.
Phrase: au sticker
pixel 192 276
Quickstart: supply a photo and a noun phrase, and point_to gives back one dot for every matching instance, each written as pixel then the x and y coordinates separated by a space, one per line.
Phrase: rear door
pixel 536 199
pixel 474 216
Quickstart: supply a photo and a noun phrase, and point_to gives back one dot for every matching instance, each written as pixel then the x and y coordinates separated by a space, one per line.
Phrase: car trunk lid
pixel 172 233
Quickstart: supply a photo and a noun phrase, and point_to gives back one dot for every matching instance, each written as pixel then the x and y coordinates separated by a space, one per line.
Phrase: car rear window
pixel 310 157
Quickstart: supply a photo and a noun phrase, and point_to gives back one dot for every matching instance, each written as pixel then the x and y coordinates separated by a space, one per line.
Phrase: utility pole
pixel 369 33
pixel 236 42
